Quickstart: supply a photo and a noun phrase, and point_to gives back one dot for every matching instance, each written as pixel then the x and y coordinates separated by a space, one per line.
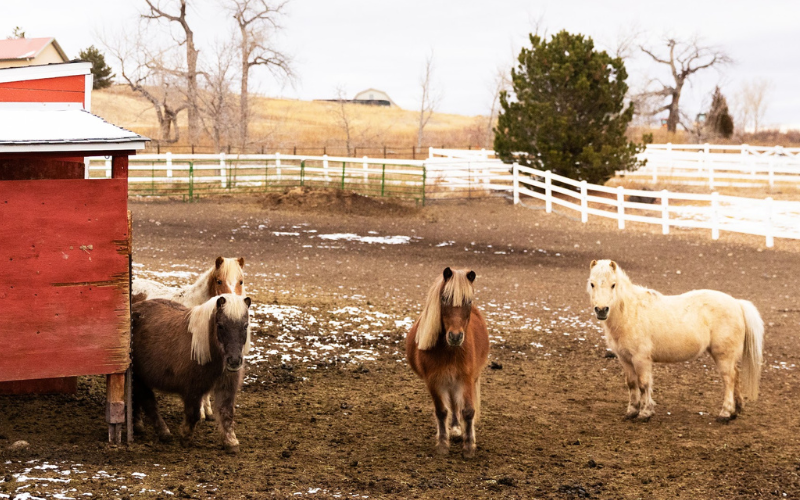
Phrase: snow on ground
pixel 750 215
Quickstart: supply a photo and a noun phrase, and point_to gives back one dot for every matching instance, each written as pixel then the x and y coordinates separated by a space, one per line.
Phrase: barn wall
pixel 64 279
pixel 61 89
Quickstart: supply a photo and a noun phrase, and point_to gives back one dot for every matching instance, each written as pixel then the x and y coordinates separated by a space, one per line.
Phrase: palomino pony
pixel 448 347
pixel 225 277
pixel 190 352
pixel 643 327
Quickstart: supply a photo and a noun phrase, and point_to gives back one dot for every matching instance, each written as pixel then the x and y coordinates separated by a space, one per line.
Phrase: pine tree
pixel 101 71
pixel 719 121
pixel 568 111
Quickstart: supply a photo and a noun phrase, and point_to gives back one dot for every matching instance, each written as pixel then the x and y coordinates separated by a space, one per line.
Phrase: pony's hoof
pixel 726 420
pixel 231 449
pixel 165 437
pixel 630 415
pixel 442 448
pixel 468 452
pixel 138 427
pixel 644 417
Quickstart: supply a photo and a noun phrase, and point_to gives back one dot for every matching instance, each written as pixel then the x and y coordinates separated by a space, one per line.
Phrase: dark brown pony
pixel 190 352
pixel 448 347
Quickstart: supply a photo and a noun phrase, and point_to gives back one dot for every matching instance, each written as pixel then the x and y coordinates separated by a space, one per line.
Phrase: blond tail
pixel 753 350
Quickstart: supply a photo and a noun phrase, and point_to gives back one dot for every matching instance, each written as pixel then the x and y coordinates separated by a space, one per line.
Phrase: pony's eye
pixel 614 285
pixel 241 282
pixel 592 285
pixel 219 282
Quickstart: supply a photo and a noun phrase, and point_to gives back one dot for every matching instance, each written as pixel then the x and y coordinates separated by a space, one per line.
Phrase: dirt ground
pixel 330 409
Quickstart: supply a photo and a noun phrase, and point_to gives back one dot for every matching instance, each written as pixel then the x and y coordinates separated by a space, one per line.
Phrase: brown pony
pixel 189 352
pixel 225 277
pixel 448 347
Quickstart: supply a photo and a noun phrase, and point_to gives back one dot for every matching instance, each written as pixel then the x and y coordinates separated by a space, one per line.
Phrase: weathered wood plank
pixel 64 279
pixel 64 385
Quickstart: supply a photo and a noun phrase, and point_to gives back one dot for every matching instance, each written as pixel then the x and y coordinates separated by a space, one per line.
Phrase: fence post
pixel 515 171
pixel 222 170
pixel 108 167
pixel 278 165
pixel 710 176
pixel 584 203
pixel 366 169
pixel 430 152
pixel 743 158
pixel 169 163
pixel 621 207
pixel 771 171
pixel 87 163
pixel 664 212
pixel 715 215
pixel 343 164
pixel 768 222
pixel 325 167
pixel 302 173
pixel 191 181
pixel 424 178
pixel 266 175
pixel 670 163
pixel 383 179
pixel 548 191
pixel 484 154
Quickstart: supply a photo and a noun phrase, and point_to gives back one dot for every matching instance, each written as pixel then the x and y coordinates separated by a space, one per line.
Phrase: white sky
pixel 383 44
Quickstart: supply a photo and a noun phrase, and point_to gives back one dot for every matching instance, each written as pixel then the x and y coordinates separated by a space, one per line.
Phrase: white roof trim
pixel 53 106
pixel 45 71
pixel 59 148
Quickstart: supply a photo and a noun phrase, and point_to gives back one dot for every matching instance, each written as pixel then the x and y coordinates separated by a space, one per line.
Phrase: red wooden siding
pixel 65 385
pixel 18 169
pixel 64 307
pixel 61 89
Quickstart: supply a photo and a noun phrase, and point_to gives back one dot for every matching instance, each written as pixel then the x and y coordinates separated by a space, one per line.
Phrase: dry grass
pixel 281 124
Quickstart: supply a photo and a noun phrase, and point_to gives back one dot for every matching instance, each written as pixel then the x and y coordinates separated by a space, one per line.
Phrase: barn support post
pixel 584 203
pixel 115 406
pixel 515 171
pixel 664 212
pixel 119 168
pixel 714 215
pixel 621 207
pixel 768 222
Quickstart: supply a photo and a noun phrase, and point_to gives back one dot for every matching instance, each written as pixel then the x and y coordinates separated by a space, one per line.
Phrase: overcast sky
pixel 383 44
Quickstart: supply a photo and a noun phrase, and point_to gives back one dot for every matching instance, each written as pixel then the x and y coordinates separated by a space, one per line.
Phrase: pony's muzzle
pixel 601 312
pixel 234 365
pixel 455 339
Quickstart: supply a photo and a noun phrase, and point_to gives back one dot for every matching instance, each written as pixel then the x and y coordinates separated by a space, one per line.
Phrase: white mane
pixel 200 321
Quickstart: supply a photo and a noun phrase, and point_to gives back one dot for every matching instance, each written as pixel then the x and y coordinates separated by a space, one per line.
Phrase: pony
pixel 189 351
pixel 643 327
pixel 448 347
pixel 225 277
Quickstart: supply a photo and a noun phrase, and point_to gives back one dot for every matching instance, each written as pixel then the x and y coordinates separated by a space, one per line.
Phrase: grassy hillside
pixel 283 124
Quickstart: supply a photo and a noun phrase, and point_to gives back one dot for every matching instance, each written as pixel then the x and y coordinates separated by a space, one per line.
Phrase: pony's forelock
pixel 200 320
pixel 457 292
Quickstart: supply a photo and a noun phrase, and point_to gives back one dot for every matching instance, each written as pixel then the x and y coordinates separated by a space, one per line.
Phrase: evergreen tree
pixel 101 71
pixel 568 111
pixel 719 120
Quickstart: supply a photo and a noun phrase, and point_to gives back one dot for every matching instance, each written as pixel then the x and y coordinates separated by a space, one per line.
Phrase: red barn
pixel 65 252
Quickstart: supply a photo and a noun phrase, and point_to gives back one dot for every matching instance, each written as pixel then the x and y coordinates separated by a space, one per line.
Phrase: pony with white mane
pixel 643 327
pixel 189 352
pixel 226 276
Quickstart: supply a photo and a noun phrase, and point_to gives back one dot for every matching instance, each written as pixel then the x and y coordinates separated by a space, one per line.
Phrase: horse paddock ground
pixel 330 409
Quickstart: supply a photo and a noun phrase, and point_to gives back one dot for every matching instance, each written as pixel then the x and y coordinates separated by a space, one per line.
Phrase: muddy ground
pixel 331 410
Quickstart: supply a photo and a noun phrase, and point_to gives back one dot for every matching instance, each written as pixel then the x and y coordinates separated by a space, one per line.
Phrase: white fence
pixel 715 212
pixel 717 165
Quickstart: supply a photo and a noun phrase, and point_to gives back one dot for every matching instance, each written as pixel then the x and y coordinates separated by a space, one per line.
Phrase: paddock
pixel 330 408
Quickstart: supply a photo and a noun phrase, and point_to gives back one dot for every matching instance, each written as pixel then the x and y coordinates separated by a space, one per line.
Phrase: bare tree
pixel 429 99
pixel 686 57
pixel 344 117
pixel 500 83
pixel 218 110
pixel 257 21
pixel 139 69
pixel 753 101
pixel 158 13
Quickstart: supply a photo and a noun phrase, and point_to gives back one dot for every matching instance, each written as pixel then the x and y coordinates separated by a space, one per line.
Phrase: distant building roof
pixel 22 49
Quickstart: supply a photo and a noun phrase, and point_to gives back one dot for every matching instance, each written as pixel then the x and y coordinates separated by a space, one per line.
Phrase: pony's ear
pixel 220 302
pixel 247 301
pixel 219 262
pixel 471 276
pixel 613 265
pixel 448 273
pixel 241 261
pixel 594 263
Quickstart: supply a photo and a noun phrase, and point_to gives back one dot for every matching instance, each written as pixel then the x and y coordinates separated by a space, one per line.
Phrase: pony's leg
pixel 456 403
pixel 147 401
pixel 440 410
pixel 634 399
pixel 191 415
pixel 138 422
pixel 468 416
pixel 727 370
pixel 737 392
pixel 644 372
pixel 224 406
pixel 206 413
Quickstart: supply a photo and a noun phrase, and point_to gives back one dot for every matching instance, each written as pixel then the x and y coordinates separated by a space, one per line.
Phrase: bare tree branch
pixel 429 99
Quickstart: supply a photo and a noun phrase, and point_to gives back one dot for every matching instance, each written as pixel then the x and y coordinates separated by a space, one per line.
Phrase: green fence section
pixel 191 180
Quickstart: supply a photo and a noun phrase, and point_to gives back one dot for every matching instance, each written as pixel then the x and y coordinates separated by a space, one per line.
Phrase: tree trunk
pixel 243 111
pixel 674 109
pixel 191 91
